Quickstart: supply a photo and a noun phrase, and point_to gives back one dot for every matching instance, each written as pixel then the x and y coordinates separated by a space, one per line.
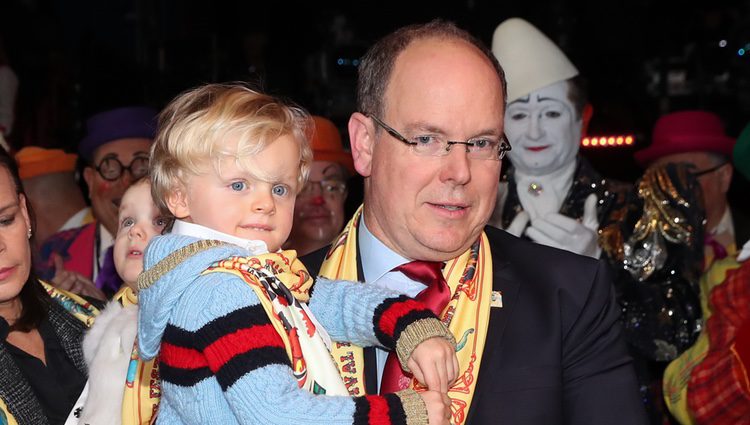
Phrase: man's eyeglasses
pixel 331 188
pixel 432 145
pixel 111 169
pixel 697 174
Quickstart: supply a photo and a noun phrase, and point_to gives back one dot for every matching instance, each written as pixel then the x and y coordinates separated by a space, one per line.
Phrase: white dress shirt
pixel 377 262
pixel 184 228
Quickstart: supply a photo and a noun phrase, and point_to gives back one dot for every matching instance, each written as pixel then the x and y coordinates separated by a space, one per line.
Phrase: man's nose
pixel 126 178
pixel 456 166
pixel 318 200
pixel 535 131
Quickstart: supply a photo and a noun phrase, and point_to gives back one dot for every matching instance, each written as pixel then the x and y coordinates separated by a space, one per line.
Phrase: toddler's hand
pixel 438 407
pixel 434 363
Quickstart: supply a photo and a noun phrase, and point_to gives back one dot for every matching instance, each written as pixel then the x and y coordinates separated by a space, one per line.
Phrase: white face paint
pixel 543 130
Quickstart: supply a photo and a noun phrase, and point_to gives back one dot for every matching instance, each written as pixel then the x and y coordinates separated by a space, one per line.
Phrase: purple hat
pixel 115 124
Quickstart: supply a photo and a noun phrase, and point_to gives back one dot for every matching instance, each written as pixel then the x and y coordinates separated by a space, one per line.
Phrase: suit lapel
pixel 505 282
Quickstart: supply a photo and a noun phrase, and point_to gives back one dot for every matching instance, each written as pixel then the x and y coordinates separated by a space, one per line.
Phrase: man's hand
pixel 559 231
pixel 438 407
pixel 434 363
pixel 74 282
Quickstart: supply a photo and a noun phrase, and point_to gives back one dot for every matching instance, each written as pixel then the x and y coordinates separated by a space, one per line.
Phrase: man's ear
pixel 362 139
pixel 177 202
pixel 88 176
pixel 725 176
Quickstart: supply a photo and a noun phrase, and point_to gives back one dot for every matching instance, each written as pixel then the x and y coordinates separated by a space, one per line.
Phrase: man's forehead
pixel 696 158
pixel 442 74
pixel 448 52
pixel 123 148
pixel 327 168
pixel 556 92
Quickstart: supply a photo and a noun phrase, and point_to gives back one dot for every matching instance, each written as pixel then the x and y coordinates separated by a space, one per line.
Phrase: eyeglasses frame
pixel 319 184
pixel 123 167
pixel 503 148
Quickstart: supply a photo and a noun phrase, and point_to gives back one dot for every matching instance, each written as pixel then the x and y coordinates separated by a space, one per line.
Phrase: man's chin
pixel 313 225
pixel 321 233
pixel 442 244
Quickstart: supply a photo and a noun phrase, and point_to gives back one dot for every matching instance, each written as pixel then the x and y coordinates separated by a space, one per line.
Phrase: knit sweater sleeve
pixel 367 315
pixel 222 331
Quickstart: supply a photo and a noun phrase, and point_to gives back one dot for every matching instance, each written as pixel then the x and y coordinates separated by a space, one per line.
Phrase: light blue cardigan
pixel 267 394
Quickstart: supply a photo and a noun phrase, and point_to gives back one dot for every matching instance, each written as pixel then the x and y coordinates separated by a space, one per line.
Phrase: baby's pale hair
pixel 196 126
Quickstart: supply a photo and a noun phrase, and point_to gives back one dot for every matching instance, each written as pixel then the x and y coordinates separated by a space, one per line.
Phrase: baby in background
pixel 123 388
pixel 226 310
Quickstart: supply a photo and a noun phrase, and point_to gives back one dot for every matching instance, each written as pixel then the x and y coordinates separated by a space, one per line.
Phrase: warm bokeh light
pixel 607 141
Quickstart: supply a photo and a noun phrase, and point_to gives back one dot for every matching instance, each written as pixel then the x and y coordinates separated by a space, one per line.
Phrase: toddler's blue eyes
pixel 277 190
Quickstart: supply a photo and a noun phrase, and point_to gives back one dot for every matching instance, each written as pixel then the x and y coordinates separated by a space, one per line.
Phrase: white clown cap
pixel 530 59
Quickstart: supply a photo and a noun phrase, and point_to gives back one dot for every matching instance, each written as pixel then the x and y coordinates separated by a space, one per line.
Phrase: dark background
pixel 641 58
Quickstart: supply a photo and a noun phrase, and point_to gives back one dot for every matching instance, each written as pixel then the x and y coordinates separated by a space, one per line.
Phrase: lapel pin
pixel 497 299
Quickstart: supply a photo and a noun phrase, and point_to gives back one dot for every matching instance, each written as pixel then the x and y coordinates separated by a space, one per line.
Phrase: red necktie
pixel 435 297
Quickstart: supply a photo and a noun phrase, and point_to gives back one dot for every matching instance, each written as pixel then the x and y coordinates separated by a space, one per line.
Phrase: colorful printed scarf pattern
pixel 140 402
pixel 467 314
pixel 281 281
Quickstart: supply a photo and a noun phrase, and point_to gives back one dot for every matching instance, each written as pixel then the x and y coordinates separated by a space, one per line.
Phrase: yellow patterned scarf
pixel 142 386
pixel 282 284
pixel 75 305
pixel 5 417
pixel 467 314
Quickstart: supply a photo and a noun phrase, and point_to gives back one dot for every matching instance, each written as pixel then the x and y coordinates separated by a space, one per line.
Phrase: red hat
pixel 686 131
pixel 326 144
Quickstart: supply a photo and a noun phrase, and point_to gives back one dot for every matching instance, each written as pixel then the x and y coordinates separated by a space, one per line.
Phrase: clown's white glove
pixel 559 231
pixel 744 253
pixel 519 223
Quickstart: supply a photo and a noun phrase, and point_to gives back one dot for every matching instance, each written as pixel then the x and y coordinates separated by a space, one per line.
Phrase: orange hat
pixel 326 144
pixel 35 161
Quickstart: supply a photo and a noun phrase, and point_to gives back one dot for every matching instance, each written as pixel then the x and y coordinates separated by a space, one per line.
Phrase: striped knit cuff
pixel 394 315
pixel 402 408
pixel 416 333
pixel 414 407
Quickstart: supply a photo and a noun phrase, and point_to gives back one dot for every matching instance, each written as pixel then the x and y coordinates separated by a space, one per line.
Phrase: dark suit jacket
pixel 554 354
pixel 741 223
